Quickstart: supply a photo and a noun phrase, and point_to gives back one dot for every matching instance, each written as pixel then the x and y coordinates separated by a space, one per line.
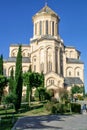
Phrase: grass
pixel 7 116
pixel 6 123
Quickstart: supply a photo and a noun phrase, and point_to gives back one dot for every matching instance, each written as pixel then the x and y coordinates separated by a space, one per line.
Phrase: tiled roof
pixel 13 59
pixel 71 47
pixel 72 80
pixel 72 60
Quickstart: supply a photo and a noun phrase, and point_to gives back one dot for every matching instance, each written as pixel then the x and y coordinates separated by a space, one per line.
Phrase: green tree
pixel 40 93
pixel 18 79
pixel 1 65
pixel 31 79
pixel 76 90
pixel 3 83
pixel 11 81
pixel 10 99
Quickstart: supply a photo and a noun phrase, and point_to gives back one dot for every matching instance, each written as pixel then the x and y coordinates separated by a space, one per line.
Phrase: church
pixel 46 52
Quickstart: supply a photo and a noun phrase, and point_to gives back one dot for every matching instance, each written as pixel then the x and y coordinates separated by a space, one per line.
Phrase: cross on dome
pixel 45 2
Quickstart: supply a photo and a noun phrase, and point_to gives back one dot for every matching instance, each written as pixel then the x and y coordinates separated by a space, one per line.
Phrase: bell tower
pixel 46 23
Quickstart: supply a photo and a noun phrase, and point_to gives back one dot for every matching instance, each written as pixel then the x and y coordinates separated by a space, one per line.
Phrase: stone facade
pixel 46 52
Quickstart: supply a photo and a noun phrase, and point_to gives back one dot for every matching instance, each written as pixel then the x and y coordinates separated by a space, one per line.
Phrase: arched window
pixel 78 73
pixel 13 54
pixel 23 54
pixel 69 73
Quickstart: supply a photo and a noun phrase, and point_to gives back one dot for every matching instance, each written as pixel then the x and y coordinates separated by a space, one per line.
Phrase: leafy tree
pixel 1 65
pixel 41 93
pixel 18 79
pixel 77 89
pixel 3 83
pixel 36 79
pixel 10 98
pixel 31 79
pixel 11 81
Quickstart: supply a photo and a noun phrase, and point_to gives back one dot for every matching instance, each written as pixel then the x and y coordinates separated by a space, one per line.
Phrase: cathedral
pixel 46 52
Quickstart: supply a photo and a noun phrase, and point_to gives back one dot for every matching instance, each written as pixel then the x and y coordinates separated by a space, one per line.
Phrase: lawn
pixel 9 117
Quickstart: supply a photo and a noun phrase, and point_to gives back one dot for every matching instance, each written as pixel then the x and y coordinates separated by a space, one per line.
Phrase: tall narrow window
pixel 78 73
pixel 40 27
pixel 42 67
pixel 46 27
pixel 61 61
pixel 53 28
pixel 49 66
pixel 56 59
pixel 69 73
pixel 35 28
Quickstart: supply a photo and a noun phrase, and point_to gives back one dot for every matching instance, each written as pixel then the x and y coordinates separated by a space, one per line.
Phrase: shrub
pixel 54 109
pixel 48 106
pixel 75 107
pixel 80 97
pixel 61 108
pixel 54 100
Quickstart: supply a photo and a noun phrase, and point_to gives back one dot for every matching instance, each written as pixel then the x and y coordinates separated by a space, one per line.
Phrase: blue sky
pixel 16 23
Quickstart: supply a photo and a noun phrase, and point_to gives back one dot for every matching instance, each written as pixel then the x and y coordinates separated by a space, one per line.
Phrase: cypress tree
pixel 1 65
pixel 3 83
pixel 1 74
pixel 11 81
pixel 18 79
